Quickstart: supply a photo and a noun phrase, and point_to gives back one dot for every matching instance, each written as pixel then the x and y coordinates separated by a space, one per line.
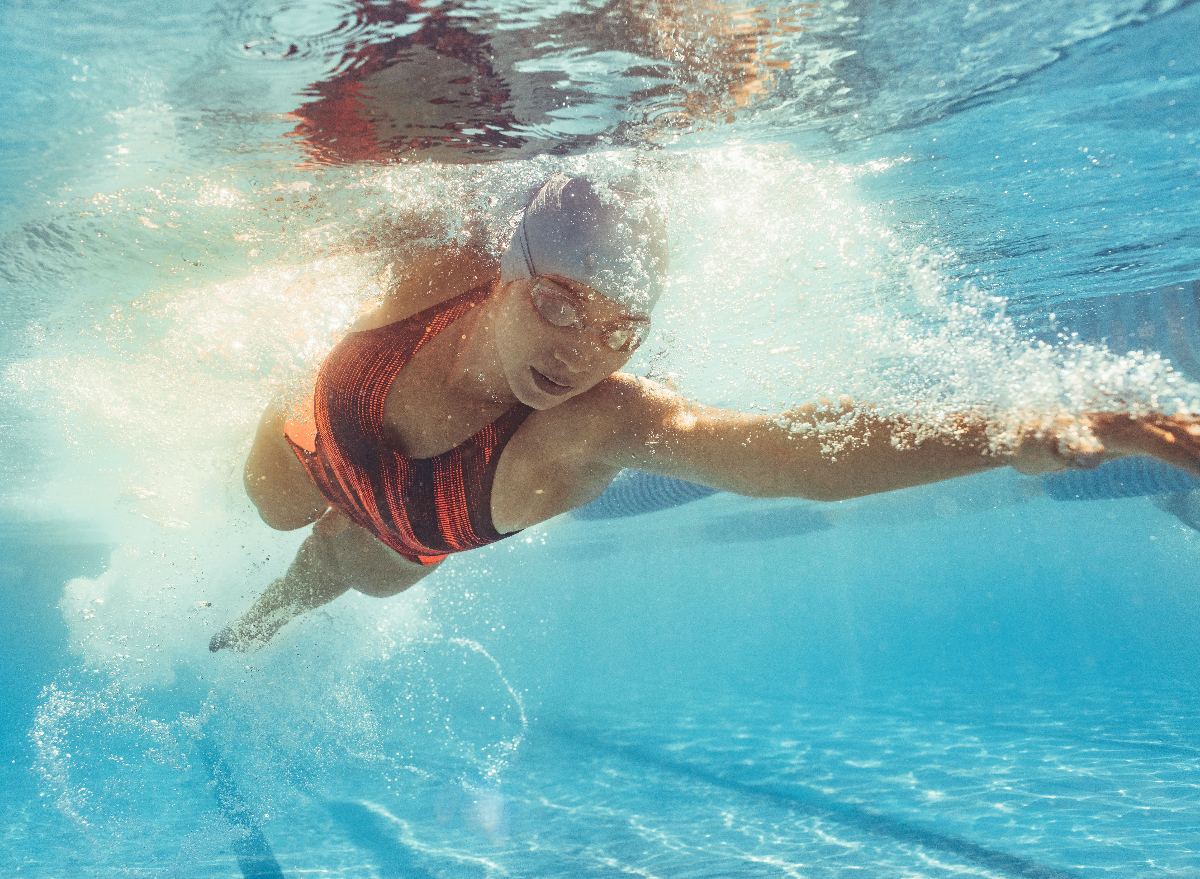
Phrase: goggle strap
pixel 525 252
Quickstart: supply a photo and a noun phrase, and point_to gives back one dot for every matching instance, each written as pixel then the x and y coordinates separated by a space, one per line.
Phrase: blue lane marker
pixel 1124 477
pixel 250 847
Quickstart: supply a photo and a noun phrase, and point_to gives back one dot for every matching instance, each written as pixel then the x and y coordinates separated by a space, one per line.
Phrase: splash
pixel 788 286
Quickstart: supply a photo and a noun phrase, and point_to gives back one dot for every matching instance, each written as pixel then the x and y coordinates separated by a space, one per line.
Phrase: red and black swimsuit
pixel 424 508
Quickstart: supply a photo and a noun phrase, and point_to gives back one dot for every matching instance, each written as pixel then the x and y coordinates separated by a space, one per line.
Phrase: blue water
pixel 960 679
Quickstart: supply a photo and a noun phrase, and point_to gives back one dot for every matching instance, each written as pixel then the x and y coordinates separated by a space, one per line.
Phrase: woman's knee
pixel 376 570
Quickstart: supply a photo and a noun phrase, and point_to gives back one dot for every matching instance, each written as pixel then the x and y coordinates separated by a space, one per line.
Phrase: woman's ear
pixel 500 301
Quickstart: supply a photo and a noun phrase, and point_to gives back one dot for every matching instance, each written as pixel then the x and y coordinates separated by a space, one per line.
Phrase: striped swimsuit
pixel 423 508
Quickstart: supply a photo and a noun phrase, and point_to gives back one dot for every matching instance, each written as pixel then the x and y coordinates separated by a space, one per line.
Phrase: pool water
pixel 916 204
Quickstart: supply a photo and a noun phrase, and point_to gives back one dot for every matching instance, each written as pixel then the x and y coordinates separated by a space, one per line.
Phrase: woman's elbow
pixel 799 487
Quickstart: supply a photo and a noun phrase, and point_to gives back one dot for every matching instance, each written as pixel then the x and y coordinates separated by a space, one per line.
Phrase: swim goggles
pixel 561 307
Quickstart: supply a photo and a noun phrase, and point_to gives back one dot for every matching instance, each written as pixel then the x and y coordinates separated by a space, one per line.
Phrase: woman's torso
pixel 427 415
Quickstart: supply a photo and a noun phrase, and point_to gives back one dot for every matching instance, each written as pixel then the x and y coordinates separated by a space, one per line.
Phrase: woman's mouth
pixel 548 385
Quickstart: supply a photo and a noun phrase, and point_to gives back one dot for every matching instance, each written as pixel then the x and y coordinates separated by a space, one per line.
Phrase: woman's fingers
pixel 1090 440
pixel 1173 439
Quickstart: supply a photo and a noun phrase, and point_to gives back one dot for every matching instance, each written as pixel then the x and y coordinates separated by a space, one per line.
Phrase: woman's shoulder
pixel 618 405
pixel 429 278
pixel 623 389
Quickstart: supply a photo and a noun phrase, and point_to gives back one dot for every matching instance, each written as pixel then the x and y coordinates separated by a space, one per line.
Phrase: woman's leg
pixel 336 557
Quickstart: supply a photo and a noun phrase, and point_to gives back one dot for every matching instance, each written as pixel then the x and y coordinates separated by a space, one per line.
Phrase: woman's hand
pixel 1089 440
pixel 1173 439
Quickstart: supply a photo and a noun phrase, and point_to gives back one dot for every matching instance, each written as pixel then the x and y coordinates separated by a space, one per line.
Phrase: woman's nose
pixel 571 358
pixel 580 355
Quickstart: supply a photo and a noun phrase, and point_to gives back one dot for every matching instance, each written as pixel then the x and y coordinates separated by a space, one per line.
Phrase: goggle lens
pixel 557 310
pixel 623 340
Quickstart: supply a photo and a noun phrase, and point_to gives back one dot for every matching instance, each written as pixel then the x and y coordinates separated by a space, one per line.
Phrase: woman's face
pixel 547 364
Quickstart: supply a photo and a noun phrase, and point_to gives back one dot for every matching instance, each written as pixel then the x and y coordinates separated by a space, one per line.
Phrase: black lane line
pixel 250 847
pixel 818 805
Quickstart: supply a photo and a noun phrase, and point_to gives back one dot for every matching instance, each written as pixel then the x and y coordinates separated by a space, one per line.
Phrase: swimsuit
pixel 423 508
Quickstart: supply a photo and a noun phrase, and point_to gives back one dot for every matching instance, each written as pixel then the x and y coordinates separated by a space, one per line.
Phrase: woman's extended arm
pixel 834 451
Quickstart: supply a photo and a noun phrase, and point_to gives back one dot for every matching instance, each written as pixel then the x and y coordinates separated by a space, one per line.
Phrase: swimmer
pixel 479 399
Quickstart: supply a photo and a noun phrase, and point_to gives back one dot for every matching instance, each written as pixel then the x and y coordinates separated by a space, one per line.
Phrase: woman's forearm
pixel 336 557
pixel 854 451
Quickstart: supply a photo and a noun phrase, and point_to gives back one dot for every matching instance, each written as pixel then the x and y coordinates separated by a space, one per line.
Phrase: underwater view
pixel 958 213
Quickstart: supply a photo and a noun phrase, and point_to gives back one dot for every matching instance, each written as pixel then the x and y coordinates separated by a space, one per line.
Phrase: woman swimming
pixel 480 399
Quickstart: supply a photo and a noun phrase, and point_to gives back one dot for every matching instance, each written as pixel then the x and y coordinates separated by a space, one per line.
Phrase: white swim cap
pixel 612 240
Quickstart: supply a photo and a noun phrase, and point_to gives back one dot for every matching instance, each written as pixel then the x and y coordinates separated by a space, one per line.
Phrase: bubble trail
pixel 476 647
